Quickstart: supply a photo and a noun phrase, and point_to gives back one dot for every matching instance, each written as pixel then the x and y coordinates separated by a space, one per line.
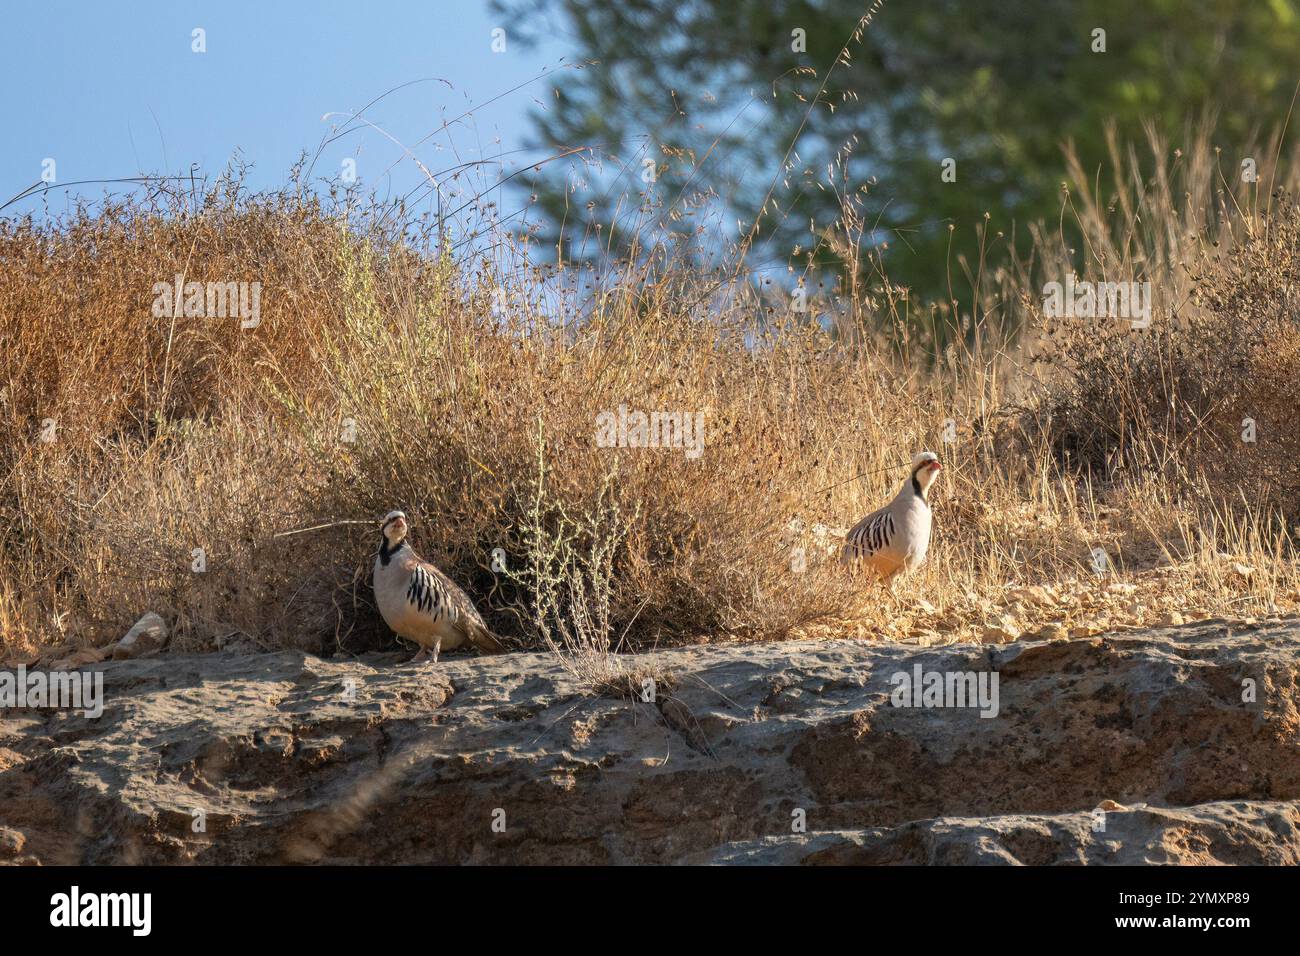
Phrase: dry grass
pixel 1221 256
pixel 467 392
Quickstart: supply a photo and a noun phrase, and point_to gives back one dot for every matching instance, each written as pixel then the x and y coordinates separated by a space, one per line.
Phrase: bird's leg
pixel 436 648
pixel 421 657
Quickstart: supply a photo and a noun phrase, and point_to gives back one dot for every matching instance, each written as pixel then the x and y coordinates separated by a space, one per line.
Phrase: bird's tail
pixel 485 640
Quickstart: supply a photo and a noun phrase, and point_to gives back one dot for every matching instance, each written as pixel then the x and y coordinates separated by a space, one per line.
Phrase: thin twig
pixel 319 527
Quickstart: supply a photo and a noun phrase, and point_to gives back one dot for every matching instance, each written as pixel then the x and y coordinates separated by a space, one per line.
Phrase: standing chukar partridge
pixel 896 537
pixel 419 602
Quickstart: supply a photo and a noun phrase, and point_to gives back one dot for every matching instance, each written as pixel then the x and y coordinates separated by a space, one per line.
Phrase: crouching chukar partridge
pixel 422 604
pixel 896 537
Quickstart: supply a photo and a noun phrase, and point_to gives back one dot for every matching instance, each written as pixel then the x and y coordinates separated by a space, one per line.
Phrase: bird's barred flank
pixel 424 594
pixel 878 534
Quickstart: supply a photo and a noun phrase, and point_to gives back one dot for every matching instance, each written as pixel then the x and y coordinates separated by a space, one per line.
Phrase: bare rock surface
pixel 762 753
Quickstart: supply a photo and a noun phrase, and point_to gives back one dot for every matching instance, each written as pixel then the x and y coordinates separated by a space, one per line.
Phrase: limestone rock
pixel 297 759
pixel 147 635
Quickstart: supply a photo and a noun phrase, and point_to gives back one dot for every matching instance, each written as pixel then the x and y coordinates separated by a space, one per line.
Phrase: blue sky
pixel 114 89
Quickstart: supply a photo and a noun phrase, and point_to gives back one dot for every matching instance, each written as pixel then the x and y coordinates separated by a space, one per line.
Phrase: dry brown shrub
pixel 470 392
pixel 1221 257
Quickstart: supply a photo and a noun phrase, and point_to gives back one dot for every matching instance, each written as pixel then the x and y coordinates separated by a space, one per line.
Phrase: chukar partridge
pixel 896 537
pixel 419 602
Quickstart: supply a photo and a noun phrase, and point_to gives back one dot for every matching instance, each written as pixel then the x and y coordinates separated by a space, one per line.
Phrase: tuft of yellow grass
pixel 470 393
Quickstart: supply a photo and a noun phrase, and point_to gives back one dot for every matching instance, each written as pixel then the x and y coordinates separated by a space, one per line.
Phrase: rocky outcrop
pixel 1174 746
